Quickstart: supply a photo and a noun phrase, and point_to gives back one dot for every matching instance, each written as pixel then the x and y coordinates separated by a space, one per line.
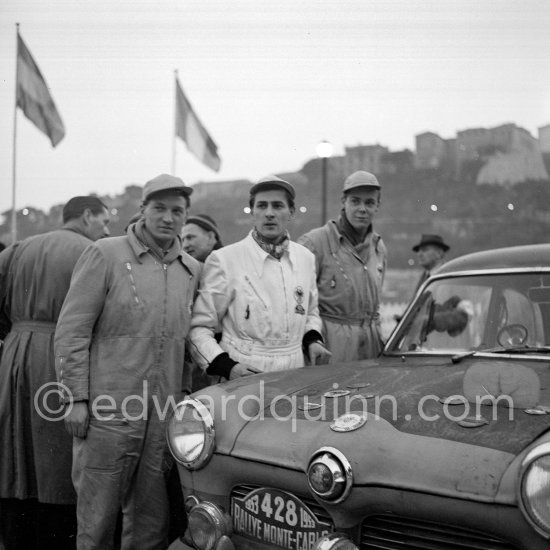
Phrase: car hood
pixel 260 418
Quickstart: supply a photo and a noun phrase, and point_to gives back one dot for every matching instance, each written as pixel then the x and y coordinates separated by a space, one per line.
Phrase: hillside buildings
pixel 506 154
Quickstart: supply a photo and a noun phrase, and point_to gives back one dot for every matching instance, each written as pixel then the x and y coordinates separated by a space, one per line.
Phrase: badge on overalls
pixel 299 297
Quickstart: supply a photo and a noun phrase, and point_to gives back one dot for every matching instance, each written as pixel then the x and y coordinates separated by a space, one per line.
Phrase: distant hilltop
pixel 485 187
pixel 506 155
pixel 509 154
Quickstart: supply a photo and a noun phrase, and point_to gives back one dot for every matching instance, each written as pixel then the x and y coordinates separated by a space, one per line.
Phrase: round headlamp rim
pixel 347 471
pixel 209 433
pixel 328 462
pixel 530 458
pixel 216 514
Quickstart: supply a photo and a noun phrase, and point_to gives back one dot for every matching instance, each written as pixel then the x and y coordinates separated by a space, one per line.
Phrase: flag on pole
pixel 34 98
pixel 190 129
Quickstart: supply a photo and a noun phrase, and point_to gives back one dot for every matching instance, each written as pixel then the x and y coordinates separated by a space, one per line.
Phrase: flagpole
pixel 13 178
pixel 175 126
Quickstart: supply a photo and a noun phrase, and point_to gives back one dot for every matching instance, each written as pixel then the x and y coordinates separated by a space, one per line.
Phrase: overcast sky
pixel 269 80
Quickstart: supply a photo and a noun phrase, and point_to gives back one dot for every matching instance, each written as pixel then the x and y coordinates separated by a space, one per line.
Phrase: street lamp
pixel 324 152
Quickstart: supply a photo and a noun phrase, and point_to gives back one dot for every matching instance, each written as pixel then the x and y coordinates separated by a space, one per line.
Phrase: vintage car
pixel 443 442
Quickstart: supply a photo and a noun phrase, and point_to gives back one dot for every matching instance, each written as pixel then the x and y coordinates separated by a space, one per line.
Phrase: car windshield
pixel 509 311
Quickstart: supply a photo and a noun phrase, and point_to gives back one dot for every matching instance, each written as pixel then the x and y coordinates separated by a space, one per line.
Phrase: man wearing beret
pixel 200 236
pixel 351 263
pixel 261 293
pixel 430 252
pixel 119 347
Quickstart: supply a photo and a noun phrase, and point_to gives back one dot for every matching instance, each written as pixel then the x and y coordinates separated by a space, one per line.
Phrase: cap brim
pixel 361 185
pixel 444 247
pixel 185 190
pixel 270 185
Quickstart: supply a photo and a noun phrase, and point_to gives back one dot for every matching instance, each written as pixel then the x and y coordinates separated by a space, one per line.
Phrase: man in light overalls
pixel 351 262
pixel 261 291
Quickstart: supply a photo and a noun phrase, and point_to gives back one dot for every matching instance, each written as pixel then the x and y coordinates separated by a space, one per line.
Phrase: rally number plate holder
pixel 277 518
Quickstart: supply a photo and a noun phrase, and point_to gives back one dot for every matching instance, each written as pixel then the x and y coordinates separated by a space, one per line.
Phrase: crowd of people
pixel 158 313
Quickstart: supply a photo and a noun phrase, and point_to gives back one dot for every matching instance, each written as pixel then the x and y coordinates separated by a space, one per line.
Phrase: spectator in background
pixel 120 339
pixel 261 293
pixel 351 263
pixel 35 451
pixel 430 253
pixel 200 236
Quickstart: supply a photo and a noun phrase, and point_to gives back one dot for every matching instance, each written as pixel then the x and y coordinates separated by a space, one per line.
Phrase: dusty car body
pixel 443 442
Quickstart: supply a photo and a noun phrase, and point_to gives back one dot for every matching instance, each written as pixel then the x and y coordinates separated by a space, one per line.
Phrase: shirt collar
pixel 139 249
pixel 260 256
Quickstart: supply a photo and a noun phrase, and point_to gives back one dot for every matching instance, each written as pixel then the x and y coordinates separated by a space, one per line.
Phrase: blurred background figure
pixel 430 252
pixel 200 236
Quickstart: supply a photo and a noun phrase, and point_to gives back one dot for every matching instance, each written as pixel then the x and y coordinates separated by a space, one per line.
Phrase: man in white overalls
pixel 261 292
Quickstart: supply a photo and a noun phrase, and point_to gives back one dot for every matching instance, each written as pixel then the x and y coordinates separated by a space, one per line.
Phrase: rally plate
pixel 277 518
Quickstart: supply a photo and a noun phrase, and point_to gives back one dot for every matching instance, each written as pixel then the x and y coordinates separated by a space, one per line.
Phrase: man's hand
pixel 240 369
pixel 318 354
pixel 76 422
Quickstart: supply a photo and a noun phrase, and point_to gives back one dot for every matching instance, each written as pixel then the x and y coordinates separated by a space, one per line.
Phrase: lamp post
pixel 324 152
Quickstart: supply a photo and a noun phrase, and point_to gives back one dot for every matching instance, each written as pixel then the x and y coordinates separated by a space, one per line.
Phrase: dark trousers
pixel 32 525
pixel 178 516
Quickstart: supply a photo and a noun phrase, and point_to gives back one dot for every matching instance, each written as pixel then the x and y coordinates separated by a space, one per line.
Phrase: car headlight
pixel 329 474
pixel 190 434
pixel 206 525
pixel 335 541
pixel 535 488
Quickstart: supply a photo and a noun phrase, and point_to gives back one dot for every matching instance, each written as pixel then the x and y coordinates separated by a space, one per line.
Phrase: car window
pixel 519 310
pixel 469 313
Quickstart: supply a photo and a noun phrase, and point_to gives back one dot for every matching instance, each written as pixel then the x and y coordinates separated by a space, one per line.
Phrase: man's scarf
pixel 354 236
pixel 274 248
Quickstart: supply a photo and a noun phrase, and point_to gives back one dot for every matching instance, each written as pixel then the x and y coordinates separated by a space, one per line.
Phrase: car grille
pixel 241 491
pixel 396 533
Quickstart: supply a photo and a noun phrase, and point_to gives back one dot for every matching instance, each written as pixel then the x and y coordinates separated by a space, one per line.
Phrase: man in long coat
pixel 36 492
